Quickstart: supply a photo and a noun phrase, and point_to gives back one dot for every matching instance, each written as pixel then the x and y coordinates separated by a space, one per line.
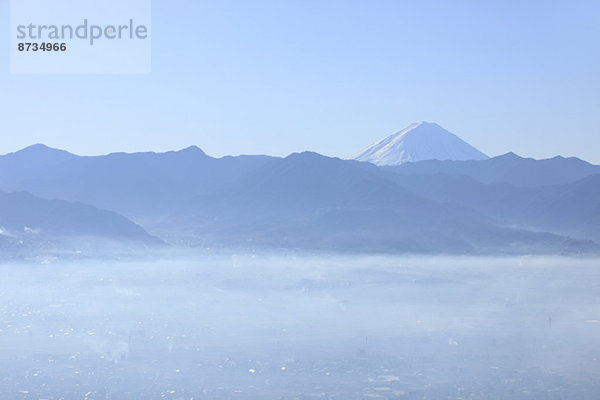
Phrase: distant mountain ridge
pixel 308 200
pixel 133 184
pixel 508 168
pixel 417 142
pixel 503 205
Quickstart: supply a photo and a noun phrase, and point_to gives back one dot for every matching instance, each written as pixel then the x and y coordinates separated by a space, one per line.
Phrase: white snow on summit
pixel 417 142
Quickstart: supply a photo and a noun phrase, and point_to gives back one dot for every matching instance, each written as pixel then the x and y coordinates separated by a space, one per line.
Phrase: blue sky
pixel 281 76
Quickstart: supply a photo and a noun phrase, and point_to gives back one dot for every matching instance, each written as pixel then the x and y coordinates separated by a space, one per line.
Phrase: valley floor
pixel 248 326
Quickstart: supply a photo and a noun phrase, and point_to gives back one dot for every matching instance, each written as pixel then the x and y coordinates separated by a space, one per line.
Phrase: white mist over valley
pixel 273 326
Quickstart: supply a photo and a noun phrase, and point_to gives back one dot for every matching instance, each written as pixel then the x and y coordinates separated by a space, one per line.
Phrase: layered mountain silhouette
pixel 571 209
pixel 502 205
pixel 311 201
pixel 136 185
pixel 508 168
pixel 26 219
pixel 417 142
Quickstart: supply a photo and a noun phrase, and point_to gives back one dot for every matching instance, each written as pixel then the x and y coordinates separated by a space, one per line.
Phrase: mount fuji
pixel 418 142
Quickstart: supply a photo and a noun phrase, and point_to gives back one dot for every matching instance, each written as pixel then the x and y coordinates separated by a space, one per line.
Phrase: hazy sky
pixel 275 77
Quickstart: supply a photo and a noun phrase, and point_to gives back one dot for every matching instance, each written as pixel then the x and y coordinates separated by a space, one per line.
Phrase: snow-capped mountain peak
pixel 417 142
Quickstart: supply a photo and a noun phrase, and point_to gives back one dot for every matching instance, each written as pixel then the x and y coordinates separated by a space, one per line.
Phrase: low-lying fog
pixel 285 327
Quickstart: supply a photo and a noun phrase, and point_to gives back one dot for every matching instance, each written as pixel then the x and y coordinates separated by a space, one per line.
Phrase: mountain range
pixel 501 205
pixel 508 168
